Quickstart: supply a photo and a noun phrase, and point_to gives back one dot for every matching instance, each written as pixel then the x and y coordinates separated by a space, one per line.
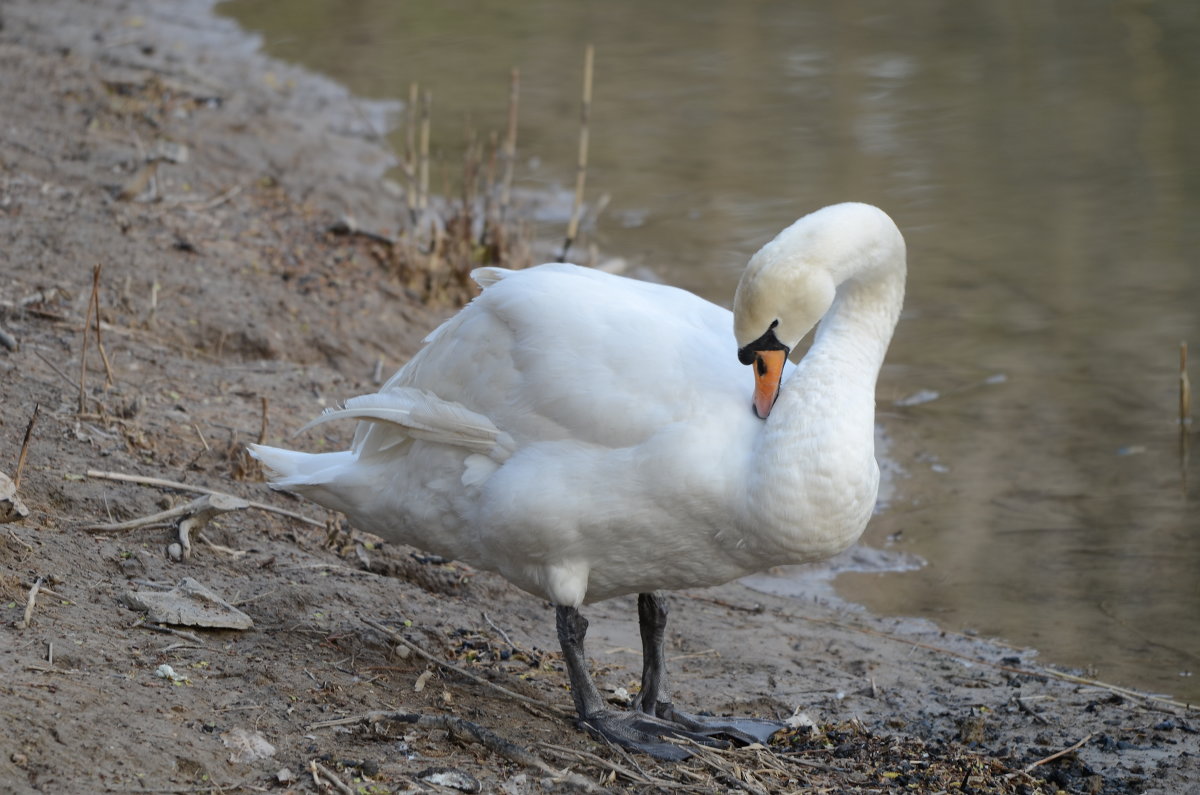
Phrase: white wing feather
pixel 410 413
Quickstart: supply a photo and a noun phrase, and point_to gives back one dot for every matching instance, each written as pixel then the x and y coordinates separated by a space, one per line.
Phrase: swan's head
pixel 791 282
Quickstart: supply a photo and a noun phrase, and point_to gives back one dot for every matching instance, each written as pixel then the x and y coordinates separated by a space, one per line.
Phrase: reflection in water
pixel 1041 158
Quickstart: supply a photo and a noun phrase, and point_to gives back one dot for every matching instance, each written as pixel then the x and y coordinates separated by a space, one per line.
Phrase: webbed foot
pixel 741 730
pixel 648 734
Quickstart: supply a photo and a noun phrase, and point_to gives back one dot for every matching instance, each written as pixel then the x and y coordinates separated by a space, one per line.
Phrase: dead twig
pixel 503 634
pixel 1028 710
pixel 173 484
pixel 398 638
pixel 235 553
pixel 217 200
pixel 323 775
pixel 20 540
pixel 25 445
pixel 93 311
pixel 31 602
pixel 44 590
pixel 1058 754
pixel 210 503
pixel 348 226
pixel 74 384
pixel 7 340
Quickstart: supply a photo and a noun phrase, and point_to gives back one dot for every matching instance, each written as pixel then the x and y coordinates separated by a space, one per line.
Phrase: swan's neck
pixel 815 478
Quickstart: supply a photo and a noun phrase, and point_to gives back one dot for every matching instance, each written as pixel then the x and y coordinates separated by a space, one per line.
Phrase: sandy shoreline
pixel 221 289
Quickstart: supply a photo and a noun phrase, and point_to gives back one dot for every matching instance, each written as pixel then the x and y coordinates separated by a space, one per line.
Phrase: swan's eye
pixel 760 365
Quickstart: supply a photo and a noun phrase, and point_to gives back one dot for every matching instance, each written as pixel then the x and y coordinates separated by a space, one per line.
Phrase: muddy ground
pixel 224 301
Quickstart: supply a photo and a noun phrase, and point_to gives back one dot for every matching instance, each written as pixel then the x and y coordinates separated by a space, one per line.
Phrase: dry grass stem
pixel 1185 388
pixel 423 153
pixel 25 445
pixel 410 151
pixel 262 430
pixel 509 153
pixel 95 304
pixel 585 113
pixel 74 384
pixel 82 382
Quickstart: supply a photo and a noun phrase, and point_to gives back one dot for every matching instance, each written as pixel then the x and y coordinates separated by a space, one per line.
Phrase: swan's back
pixel 563 352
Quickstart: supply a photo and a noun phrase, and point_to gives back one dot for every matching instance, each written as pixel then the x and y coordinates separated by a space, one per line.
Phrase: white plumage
pixel 587 435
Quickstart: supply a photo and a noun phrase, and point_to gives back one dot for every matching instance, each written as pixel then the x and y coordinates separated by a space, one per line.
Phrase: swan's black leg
pixel 572 627
pixel 655 698
pixel 634 730
pixel 652 621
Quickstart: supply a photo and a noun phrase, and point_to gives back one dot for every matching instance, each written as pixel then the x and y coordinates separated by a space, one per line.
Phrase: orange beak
pixel 768 372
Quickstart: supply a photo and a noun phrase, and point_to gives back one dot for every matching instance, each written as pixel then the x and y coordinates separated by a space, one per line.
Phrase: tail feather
pixel 289 469
pixel 415 414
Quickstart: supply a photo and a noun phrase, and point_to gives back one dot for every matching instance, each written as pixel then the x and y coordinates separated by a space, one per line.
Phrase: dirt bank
pixel 227 307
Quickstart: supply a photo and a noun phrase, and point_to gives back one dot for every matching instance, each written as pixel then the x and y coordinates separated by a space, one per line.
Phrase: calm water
pixel 1043 161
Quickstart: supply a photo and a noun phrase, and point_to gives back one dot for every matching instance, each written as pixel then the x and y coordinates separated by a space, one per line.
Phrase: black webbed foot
pixel 746 731
pixel 648 734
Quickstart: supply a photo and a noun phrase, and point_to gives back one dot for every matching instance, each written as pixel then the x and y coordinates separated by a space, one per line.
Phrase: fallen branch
pixel 172 484
pixel 209 505
pixel 397 637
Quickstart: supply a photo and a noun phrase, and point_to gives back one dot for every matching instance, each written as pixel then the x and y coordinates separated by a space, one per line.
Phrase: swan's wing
pixel 400 414
pixel 562 352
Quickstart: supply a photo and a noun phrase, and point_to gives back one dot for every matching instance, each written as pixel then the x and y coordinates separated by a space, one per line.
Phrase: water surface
pixel 1043 162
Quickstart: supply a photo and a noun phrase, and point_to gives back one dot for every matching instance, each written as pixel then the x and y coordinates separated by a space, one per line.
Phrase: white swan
pixel 587 436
